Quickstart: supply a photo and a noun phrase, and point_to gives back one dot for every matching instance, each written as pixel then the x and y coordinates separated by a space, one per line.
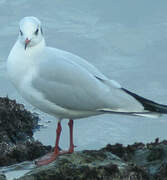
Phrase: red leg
pixel 52 156
pixel 58 132
pixel 57 152
pixel 71 149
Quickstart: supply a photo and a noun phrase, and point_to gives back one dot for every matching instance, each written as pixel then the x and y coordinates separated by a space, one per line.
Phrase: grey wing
pixel 86 65
pixel 67 84
pixel 79 86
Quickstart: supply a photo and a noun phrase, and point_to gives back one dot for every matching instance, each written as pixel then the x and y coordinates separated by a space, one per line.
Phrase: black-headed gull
pixel 67 86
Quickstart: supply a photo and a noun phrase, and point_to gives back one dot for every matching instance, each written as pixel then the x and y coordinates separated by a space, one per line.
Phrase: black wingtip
pixel 148 104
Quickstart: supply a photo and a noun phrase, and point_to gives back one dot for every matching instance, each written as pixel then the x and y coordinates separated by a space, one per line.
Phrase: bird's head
pixel 30 32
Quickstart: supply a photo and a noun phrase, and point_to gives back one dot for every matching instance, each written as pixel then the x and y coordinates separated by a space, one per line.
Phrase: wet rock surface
pixel 89 165
pixel 113 162
pixel 16 134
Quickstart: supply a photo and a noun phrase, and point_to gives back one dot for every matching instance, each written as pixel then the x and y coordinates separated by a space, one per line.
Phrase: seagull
pixel 67 86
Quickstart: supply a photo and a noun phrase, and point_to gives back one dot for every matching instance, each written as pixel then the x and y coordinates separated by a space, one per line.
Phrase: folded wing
pixel 73 83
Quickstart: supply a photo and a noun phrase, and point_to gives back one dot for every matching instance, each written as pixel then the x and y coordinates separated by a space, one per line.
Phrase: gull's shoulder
pixel 56 56
pixel 69 57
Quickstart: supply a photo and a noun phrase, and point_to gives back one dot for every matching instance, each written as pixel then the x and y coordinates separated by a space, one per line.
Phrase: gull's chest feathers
pixel 21 65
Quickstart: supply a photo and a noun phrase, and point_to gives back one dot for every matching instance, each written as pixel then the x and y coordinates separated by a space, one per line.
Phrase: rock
pixel 86 165
pixel 16 131
pixel 114 162
pixel 16 123
pixel 23 151
pixel 2 177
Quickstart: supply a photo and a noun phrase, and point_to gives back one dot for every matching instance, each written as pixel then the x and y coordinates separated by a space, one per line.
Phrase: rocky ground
pixel 113 162
pixel 16 134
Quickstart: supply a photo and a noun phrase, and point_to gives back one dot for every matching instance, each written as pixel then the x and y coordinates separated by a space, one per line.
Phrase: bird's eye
pixel 36 32
pixel 21 33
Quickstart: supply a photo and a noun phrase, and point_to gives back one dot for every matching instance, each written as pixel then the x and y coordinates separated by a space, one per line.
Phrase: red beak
pixel 27 41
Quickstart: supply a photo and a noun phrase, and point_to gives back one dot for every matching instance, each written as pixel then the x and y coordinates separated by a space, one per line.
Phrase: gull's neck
pixel 21 62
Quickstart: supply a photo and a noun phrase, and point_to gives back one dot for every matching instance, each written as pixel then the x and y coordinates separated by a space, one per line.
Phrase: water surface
pixel 126 40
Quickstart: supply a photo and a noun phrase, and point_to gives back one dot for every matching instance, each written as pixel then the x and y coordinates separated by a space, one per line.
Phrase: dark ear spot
pixel 21 33
pixel 41 31
pixel 36 32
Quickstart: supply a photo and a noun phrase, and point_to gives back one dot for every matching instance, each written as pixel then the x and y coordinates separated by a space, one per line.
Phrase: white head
pixel 30 33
